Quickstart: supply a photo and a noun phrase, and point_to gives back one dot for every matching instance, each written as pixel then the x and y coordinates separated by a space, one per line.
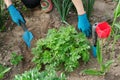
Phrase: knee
pixel 31 3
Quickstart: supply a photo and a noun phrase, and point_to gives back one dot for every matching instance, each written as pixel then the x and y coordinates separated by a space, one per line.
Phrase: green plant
pixel 34 74
pixel 104 67
pixel 15 58
pixel 88 5
pixel 63 7
pixel 115 24
pixel 116 37
pixel 3 16
pixel 116 13
pixel 63 47
pixel 3 70
pixel 115 27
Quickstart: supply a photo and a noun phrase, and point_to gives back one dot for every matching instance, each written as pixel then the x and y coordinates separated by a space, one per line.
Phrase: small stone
pixel 115 64
pixel 116 74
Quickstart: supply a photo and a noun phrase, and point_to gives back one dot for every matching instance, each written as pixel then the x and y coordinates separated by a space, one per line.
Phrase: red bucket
pixel 103 30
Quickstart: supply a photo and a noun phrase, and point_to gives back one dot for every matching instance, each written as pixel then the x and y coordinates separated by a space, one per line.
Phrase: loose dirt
pixel 39 23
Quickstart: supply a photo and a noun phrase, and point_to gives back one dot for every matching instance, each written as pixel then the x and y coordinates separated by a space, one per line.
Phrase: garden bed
pixel 39 23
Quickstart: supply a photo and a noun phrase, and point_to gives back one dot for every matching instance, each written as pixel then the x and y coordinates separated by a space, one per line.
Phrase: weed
pixel 16 59
pixel 3 70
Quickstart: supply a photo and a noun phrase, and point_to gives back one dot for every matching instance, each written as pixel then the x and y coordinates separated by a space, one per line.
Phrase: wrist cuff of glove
pixel 11 7
pixel 82 17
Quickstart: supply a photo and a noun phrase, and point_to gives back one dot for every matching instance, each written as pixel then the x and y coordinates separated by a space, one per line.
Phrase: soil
pixel 39 23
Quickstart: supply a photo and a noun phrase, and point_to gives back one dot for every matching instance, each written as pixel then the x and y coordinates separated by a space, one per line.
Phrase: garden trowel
pixel 27 36
pixel 94 39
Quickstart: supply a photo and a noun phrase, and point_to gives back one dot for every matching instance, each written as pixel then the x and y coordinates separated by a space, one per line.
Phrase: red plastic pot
pixel 103 30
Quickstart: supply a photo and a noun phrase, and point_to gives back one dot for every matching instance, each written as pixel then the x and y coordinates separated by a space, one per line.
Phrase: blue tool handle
pixel 23 26
pixel 94 51
pixel 94 38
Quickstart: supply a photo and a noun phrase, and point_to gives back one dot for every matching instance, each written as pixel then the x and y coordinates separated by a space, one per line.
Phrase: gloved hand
pixel 15 15
pixel 84 25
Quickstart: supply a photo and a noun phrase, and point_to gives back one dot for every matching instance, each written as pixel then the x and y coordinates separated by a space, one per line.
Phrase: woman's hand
pixel 15 15
pixel 84 25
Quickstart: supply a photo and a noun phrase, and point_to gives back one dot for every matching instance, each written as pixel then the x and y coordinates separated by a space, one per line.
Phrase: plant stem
pixel 66 22
pixel 101 48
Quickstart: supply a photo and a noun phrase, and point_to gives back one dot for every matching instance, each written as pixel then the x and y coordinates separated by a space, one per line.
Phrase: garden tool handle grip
pixel 94 34
pixel 23 25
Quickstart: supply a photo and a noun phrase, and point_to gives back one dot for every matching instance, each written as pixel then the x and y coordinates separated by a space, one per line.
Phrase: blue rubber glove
pixel 84 25
pixel 15 15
